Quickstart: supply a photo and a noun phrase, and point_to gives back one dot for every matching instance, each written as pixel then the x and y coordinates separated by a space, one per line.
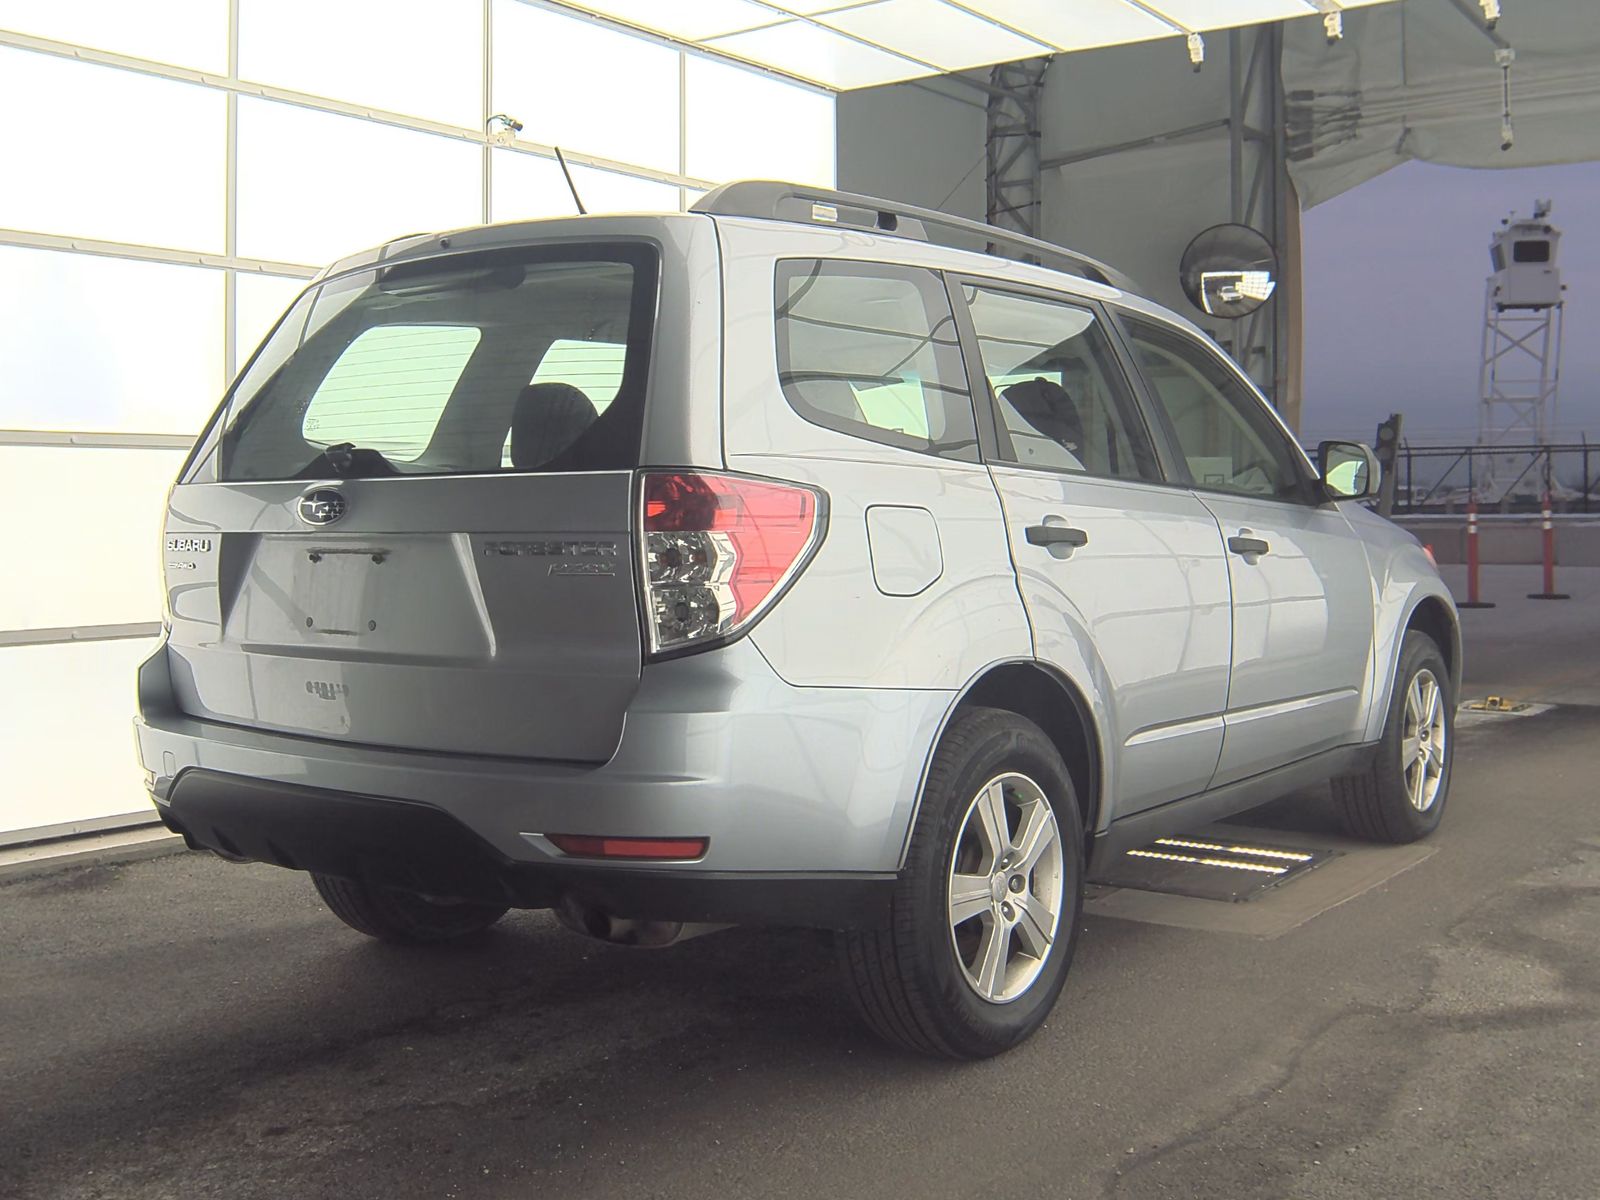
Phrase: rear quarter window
pixel 871 350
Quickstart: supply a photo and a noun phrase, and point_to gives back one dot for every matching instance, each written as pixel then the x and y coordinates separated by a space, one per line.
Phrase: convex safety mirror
pixel 1228 271
pixel 1350 470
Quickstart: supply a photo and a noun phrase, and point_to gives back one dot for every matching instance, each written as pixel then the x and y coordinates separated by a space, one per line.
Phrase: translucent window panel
pixel 258 303
pixel 190 33
pixel 153 173
pixel 91 343
pixel 934 32
pixel 388 389
pixel 96 558
pixel 410 56
pixel 527 187
pixel 689 19
pixel 581 86
pixel 745 125
pixel 69 733
pixel 1208 14
pixel 820 55
pixel 314 187
pixel 1081 24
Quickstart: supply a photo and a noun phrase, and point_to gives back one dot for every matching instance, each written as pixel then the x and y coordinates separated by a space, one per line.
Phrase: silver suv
pixel 782 562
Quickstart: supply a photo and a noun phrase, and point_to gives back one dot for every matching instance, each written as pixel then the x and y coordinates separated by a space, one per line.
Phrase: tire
pixel 1383 803
pixel 404 918
pixel 921 982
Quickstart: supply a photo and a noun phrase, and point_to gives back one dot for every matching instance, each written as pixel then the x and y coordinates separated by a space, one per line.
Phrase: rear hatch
pixel 411 524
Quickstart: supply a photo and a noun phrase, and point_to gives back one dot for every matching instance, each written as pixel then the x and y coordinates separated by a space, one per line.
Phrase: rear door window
pixel 871 350
pixel 535 359
pixel 1062 399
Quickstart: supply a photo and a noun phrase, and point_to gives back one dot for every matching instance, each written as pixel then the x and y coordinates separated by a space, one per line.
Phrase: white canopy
pixel 844 44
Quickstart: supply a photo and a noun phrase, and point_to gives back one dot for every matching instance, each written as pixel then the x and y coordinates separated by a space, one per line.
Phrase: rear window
pixel 527 360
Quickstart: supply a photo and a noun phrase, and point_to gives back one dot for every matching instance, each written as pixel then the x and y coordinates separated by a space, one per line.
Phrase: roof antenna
pixel 576 199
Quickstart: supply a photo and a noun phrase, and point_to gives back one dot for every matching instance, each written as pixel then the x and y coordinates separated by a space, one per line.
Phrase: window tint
pixel 1530 251
pixel 871 350
pixel 388 389
pixel 1058 390
pixel 594 368
pixel 1226 436
pixel 525 360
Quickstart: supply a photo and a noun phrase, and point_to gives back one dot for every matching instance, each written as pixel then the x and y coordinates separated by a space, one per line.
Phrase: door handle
pixel 1056 535
pixel 1248 545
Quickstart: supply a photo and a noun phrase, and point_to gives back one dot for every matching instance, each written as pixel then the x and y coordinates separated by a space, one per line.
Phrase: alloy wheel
pixel 1005 888
pixel 1422 743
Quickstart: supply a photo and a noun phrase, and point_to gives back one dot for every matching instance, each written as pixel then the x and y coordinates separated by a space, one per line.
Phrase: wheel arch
pixel 1427 611
pixel 1051 701
pixel 1433 616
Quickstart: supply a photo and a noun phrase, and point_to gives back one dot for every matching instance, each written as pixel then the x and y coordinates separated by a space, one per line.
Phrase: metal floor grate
pixel 1210 868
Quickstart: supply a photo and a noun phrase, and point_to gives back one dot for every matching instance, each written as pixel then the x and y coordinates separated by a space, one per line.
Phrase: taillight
pixel 717 551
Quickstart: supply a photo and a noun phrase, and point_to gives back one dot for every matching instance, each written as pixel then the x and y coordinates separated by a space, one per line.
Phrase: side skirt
pixel 1179 816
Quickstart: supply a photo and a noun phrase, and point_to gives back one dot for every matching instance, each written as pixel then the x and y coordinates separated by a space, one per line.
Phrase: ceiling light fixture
pixel 1332 18
pixel 1491 12
pixel 1197 50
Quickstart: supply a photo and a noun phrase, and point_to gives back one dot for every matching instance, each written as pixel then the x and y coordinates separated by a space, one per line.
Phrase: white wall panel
pixel 527 187
pixel 260 301
pixel 90 151
pixel 582 87
pixel 314 187
pixel 89 343
pixel 67 715
pixel 188 33
pixel 745 125
pixel 95 557
pixel 422 57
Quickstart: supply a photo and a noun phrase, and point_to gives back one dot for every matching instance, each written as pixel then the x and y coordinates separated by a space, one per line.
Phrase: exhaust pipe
pixel 592 921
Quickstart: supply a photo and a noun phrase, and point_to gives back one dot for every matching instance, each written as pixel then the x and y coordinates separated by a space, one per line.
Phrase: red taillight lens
pixel 586 846
pixel 717 548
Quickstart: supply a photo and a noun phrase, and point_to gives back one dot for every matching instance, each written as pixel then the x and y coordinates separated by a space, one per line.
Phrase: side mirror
pixel 1350 470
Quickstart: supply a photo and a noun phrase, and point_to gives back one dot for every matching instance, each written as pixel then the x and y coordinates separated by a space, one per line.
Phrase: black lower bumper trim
pixel 416 846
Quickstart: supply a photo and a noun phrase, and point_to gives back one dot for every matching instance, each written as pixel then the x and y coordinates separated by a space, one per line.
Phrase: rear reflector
pixel 586 846
pixel 718 549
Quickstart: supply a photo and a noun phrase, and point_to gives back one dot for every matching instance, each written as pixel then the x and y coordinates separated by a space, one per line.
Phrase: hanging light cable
pixel 1504 58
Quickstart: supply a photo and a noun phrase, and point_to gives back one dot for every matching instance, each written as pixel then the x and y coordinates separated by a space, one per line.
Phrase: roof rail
pixel 801 202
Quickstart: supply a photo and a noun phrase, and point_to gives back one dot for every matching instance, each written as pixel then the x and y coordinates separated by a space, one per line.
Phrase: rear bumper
pixel 417 846
pixel 805 795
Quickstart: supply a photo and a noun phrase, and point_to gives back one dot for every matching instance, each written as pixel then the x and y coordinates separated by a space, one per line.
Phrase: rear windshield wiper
pixel 347 461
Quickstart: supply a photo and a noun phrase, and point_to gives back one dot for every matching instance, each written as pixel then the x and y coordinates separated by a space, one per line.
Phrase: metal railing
pixel 1442 479
pixel 1505 478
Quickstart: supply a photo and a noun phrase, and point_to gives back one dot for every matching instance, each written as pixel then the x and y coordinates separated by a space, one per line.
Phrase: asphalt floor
pixel 185 1028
